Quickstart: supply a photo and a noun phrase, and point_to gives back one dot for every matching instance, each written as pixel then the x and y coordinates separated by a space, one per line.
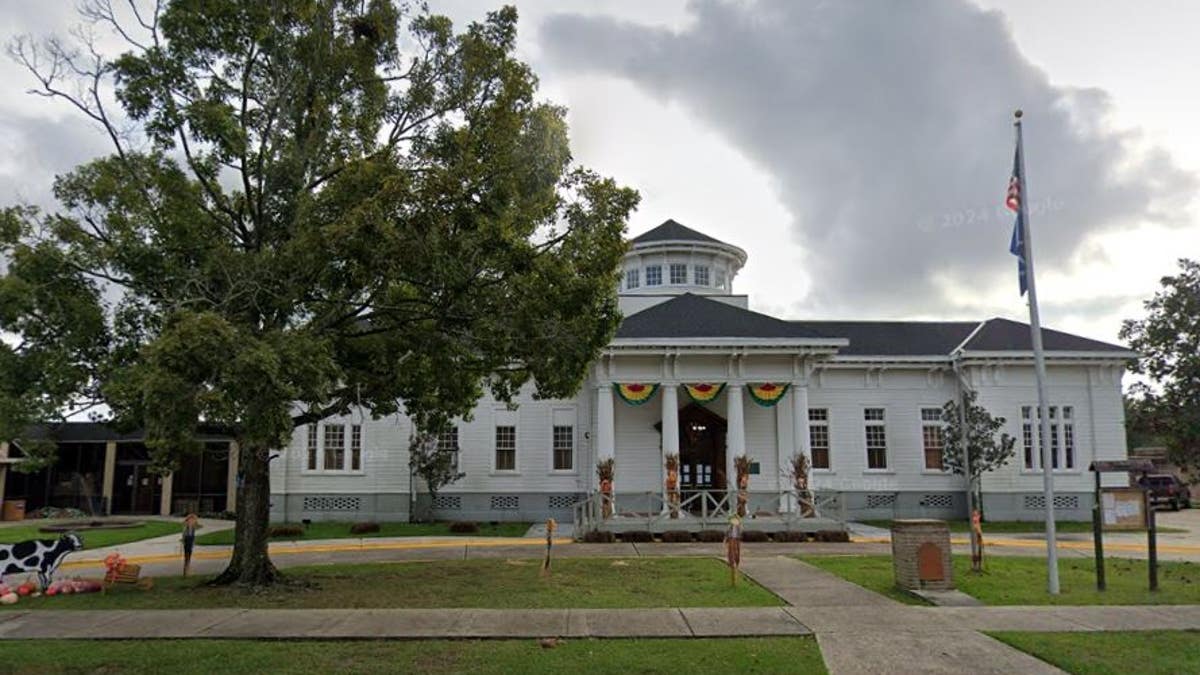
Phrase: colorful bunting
pixel 767 394
pixel 636 394
pixel 705 391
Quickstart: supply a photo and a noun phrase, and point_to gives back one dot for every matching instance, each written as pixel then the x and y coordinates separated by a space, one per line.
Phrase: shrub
pixel 599 537
pixel 791 536
pixel 710 536
pixel 755 536
pixel 638 536
pixel 833 536
pixel 364 528
pixel 277 531
pixel 676 537
pixel 464 527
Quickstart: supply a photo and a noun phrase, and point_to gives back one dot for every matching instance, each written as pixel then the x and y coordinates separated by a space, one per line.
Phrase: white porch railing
pixel 704 509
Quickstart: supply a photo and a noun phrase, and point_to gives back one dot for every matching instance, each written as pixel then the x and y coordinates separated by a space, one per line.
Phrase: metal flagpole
pixel 1039 365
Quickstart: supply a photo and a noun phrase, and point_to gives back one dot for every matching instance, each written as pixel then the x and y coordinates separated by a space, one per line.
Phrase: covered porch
pixel 687 450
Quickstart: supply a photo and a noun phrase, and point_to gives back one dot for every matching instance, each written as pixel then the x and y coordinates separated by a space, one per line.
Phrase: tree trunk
pixel 251 564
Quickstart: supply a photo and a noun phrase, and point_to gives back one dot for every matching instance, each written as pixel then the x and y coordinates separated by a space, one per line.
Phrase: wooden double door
pixel 701 449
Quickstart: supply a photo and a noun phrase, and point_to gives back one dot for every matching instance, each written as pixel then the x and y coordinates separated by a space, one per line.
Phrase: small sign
pixel 1123 508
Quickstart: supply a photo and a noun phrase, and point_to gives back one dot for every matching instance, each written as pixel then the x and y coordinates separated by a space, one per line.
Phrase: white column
pixel 735 434
pixel 800 438
pixel 606 430
pixel 670 431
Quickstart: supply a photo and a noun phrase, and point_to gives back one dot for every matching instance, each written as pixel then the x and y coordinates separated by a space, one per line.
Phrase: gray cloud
pixel 889 136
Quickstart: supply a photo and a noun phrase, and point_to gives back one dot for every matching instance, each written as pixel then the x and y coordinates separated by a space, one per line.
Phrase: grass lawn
pixel 746 655
pixel 575 582
pixel 341 530
pixel 92 538
pixel 1115 653
pixel 1017 526
pixel 1022 581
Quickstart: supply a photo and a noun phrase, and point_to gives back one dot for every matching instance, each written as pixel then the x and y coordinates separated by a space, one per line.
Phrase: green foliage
pixel 436 465
pixel 311 205
pixel 987 447
pixel 1168 342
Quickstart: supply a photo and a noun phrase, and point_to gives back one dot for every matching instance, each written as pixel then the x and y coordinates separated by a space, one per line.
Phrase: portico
pixel 709 402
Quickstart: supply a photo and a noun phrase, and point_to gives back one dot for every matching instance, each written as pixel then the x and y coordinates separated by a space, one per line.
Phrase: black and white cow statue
pixel 37 555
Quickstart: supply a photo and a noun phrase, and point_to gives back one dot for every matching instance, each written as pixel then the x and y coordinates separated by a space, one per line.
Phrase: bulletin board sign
pixel 1123 508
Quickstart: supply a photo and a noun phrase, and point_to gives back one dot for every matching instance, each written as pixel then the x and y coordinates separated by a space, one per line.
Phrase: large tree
pixel 311 205
pixel 1168 342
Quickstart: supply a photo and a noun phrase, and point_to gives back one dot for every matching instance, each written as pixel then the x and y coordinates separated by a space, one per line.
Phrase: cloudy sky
pixel 859 151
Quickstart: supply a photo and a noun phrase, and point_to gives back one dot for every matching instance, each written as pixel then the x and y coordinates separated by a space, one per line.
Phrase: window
pixel 654 275
pixel 356 447
pixel 700 275
pixel 931 438
pixel 506 448
pixel 1068 436
pixel 678 274
pixel 335 447
pixel 876 433
pixel 818 437
pixel 448 442
pixel 564 447
pixel 719 277
pixel 312 447
pixel 1027 434
pixel 1062 438
pixel 632 278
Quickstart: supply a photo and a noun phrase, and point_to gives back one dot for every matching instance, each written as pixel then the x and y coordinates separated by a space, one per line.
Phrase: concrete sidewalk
pixel 860 631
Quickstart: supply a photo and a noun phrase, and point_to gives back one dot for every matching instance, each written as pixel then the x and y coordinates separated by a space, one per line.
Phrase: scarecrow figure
pixel 551 526
pixel 733 547
pixel 673 485
pixel 190 522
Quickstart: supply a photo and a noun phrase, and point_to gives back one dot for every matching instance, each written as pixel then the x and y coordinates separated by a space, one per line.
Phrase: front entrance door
pixel 135 489
pixel 701 451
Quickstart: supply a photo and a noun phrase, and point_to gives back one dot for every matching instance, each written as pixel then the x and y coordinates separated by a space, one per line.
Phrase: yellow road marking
pixel 326 548
pixel 1070 545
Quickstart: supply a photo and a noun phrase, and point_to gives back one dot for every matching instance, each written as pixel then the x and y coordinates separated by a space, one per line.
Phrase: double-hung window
pixel 932 439
pixel 678 274
pixel 562 440
pixel 448 442
pixel 506 448
pixel 876 435
pixel 818 437
pixel 632 278
pixel 654 275
pixel 312 448
pixel 700 275
pixel 1062 437
pixel 335 447
pixel 719 278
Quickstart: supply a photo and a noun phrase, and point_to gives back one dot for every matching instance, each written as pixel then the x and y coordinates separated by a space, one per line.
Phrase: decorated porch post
pixel 742 465
pixel 672 484
pixel 605 447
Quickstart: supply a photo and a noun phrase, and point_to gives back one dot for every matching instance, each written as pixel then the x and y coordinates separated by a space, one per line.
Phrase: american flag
pixel 1013 201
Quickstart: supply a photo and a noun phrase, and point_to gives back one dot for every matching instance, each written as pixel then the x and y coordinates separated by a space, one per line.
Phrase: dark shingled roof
pixel 673 231
pixel 697 316
pixel 97 432
pixel 692 316
pixel 1006 335
pixel 894 338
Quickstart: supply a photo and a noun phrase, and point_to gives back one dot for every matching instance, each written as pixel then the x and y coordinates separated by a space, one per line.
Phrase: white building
pixel 860 398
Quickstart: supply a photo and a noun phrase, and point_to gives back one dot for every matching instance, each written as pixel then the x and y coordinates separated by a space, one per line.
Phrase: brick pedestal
pixel 921 555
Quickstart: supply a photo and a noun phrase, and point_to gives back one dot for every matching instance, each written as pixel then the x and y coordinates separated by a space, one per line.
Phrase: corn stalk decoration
pixel 799 466
pixel 672 484
pixel 605 469
pixel 741 464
